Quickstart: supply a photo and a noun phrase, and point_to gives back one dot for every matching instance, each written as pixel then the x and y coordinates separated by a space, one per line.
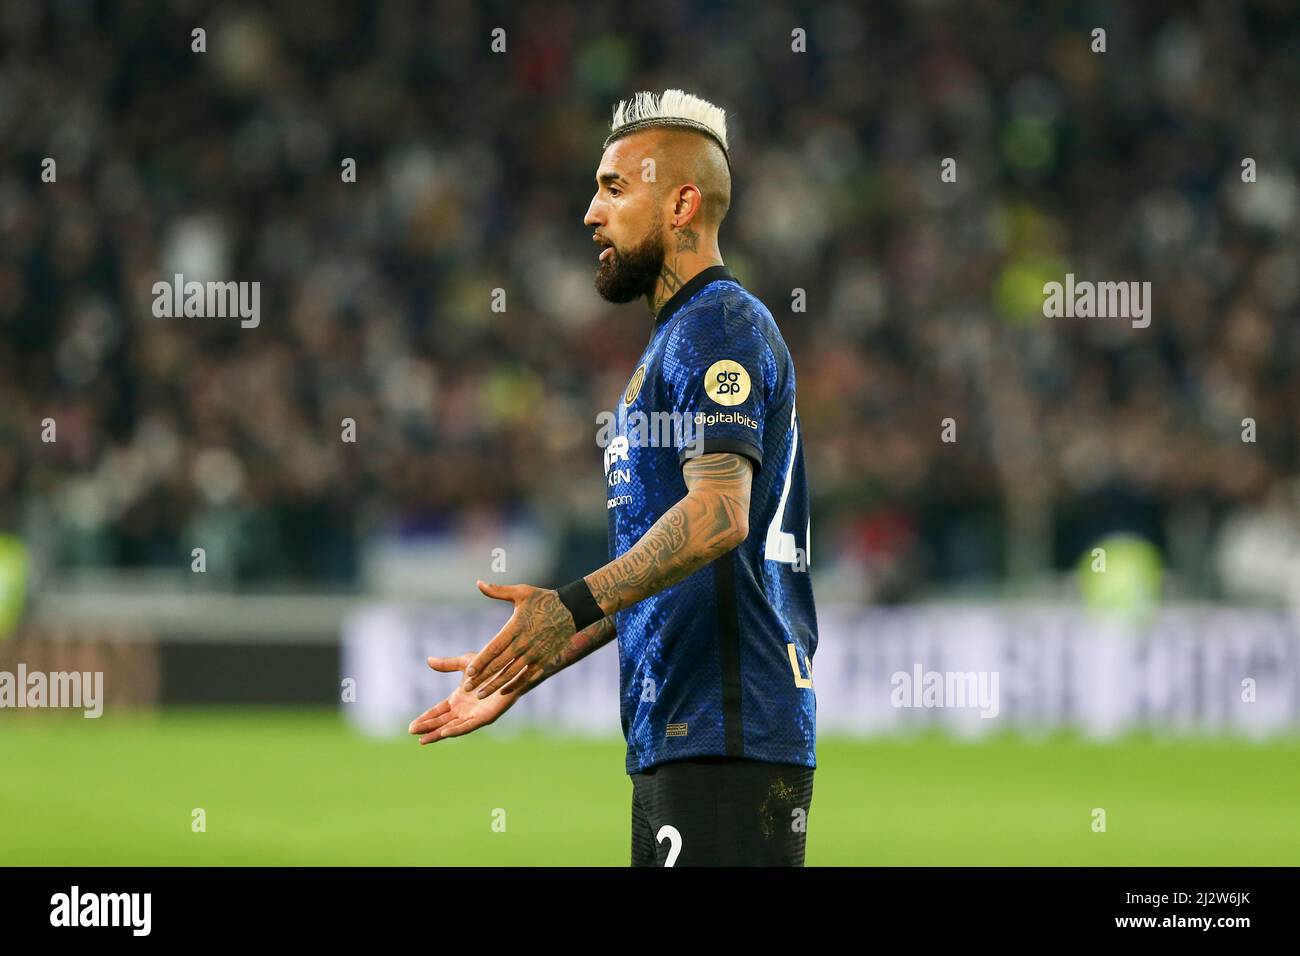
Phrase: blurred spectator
pixel 473 173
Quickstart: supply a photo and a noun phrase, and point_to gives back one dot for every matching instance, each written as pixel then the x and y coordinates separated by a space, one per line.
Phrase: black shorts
pixel 720 811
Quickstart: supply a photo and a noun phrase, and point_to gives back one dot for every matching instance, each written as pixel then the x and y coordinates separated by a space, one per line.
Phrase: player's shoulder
pixel 726 311
pixel 728 300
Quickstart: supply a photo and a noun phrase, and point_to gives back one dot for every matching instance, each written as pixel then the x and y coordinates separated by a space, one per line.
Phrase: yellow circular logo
pixel 726 382
pixel 634 386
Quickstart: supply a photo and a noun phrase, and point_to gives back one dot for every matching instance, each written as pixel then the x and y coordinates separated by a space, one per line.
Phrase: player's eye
pixel 615 191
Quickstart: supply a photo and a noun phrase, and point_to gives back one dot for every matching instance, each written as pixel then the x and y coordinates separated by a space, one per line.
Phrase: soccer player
pixel 707 589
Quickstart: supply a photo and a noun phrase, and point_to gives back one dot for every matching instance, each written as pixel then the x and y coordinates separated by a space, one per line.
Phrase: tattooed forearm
pixel 711 520
pixel 580 645
pixel 577 647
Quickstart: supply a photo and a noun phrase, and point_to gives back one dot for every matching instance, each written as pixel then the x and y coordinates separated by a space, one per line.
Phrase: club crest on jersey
pixel 726 382
pixel 634 386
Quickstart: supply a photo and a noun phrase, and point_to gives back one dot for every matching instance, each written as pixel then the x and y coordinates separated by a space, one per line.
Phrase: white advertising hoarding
pixel 971 670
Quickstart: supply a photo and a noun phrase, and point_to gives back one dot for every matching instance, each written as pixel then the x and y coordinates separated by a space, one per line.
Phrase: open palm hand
pixel 462 711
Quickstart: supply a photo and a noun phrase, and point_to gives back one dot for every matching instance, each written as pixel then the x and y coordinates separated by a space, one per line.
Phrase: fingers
pixel 432 724
pixel 431 737
pixel 426 721
pixel 458 728
pixel 502 592
pixel 455 728
pixel 503 677
pixel 522 681
pixel 492 658
pixel 448 664
pixel 436 711
pixel 486 664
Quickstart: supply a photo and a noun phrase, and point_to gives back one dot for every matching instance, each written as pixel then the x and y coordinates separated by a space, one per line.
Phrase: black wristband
pixel 577 597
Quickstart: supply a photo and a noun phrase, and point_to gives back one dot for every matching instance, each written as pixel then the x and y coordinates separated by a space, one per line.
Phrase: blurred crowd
pixel 473 171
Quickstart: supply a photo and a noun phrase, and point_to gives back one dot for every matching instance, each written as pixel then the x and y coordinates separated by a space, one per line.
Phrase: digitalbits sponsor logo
pixel 707 419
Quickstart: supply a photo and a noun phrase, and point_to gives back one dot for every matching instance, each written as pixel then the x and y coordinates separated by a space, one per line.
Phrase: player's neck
pixel 679 268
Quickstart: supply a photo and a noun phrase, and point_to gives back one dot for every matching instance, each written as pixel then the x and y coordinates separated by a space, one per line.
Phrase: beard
pixel 629 275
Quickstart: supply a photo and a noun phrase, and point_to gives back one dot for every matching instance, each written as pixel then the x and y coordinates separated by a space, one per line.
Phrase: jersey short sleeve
pixel 718 370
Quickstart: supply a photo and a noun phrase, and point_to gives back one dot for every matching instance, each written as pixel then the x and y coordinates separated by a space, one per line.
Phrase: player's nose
pixel 593 217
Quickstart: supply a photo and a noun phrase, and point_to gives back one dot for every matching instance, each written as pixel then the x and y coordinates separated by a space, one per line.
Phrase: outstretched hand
pixel 462 711
pixel 535 634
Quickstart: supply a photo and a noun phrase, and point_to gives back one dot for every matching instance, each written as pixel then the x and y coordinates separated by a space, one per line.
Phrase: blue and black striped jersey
pixel 721 662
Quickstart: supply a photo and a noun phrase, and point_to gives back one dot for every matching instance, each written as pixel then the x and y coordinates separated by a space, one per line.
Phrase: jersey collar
pixel 684 294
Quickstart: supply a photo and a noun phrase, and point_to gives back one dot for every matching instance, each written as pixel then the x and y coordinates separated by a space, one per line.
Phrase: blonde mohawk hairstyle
pixel 675 108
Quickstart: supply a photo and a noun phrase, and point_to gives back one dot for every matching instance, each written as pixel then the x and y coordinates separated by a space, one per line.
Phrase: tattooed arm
pixel 709 521
pixel 575 649
pixel 712 519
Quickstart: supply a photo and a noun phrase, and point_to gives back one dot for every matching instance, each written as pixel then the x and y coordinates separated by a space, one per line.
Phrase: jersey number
pixel 674 838
pixel 780 545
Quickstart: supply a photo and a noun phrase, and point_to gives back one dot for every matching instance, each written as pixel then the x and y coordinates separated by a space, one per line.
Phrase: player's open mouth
pixel 606 253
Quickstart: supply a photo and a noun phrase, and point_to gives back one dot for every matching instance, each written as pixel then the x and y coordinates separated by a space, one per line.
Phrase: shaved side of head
pixel 683 156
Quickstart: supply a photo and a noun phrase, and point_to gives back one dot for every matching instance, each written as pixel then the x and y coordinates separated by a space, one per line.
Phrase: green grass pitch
pixel 301 788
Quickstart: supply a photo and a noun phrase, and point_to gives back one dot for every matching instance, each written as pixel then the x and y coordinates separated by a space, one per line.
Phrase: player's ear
pixel 679 207
pixel 688 204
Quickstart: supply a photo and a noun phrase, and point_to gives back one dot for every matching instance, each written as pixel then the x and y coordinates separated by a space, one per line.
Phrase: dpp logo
pixel 726 382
